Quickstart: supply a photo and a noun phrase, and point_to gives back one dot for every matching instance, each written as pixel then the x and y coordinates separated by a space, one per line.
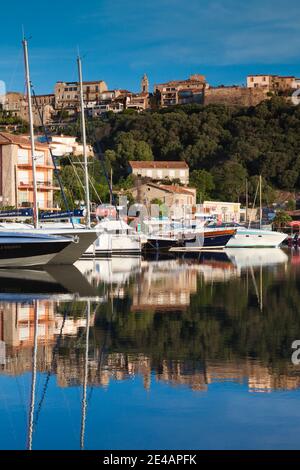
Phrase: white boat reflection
pixel 252 258
pixel 109 271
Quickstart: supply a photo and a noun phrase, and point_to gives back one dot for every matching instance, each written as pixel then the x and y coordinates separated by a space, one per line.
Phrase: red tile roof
pixel 173 189
pixel 177 189
pixel 158 165
pixel 22 141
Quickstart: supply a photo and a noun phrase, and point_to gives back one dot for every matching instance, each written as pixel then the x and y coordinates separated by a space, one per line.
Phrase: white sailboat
pixel 83 237
pixel 114 237
pixel 31 248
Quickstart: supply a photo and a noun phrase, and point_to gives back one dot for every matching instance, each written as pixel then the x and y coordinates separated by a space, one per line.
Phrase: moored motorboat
pixel 251 238
pixel 70 254
pixel 114 238
pixel 161 243
pixel 207 239
pixel 19 249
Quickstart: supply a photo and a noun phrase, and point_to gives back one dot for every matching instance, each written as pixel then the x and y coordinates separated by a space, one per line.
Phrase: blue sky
pixel 121 39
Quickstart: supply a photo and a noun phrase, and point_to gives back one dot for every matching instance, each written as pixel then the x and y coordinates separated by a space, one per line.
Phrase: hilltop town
pixel 63 103
pixel 185 141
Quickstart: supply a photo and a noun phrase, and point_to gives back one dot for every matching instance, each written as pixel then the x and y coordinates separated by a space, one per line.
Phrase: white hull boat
pixel 251 238
pixel 115 238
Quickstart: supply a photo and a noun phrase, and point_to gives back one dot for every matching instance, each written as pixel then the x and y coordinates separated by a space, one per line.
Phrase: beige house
pixel 273 83
pixel 182 91
pixel 170 195
pixel 161 171
pixel 16 180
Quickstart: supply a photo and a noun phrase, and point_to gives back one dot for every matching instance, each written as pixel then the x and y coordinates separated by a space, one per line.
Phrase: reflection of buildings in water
pixel 164 285
pixel 213 270
pixel 169 284
pixel 17 323
pixel 16 343
pixel 2 353
pixel 258 377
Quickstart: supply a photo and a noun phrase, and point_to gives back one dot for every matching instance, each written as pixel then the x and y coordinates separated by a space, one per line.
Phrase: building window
pixel 23 177
pixel 22 197
pixel 23 156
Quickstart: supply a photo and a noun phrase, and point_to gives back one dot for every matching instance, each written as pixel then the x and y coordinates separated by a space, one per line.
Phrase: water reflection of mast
pixel 33 382
pixel 85 381
pixel 259 293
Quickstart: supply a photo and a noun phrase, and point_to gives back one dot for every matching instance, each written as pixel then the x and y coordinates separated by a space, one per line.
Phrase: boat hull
pixel 256 239
pixel 84 239
pixel 16 252
pixel 217 239
pixel 155 245
pixel 110 246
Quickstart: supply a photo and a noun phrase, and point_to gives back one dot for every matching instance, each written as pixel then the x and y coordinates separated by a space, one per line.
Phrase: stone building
pixel 145 84
pixel 42 107
pixel 170 195
pixel 234 96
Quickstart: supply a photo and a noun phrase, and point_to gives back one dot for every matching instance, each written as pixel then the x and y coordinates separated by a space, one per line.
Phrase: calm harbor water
pixel 153 354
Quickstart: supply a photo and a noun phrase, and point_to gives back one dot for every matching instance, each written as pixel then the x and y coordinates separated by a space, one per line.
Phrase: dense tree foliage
pixel 229 143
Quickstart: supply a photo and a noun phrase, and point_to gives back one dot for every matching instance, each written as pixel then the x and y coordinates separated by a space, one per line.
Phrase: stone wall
pixel 234 96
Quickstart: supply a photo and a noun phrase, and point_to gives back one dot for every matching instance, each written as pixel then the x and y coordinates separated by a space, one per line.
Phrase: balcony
pixel 45 165
pixel 43 185
pixel 48 205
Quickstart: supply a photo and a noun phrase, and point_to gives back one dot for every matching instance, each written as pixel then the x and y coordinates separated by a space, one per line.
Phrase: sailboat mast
pixel 83 133
pixel 32 143
pixel 247 200
pixel 260 202
pixel 85 380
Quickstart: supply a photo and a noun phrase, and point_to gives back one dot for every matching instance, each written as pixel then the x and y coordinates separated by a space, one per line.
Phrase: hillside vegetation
pixel 222 145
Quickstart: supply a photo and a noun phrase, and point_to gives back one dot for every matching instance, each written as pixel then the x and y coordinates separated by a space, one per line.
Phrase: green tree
pixel 230 181
pixel 282 219
pixel 203 181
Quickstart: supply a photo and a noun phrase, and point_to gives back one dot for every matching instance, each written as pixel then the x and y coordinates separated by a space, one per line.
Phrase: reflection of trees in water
pixel 222 333
pixel 223 322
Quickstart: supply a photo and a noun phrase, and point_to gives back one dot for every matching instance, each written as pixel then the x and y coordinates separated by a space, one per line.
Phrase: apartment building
pixel 273 83
pixel 182 91
pixel 161 171
pixel 16 179
pixel 67 94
